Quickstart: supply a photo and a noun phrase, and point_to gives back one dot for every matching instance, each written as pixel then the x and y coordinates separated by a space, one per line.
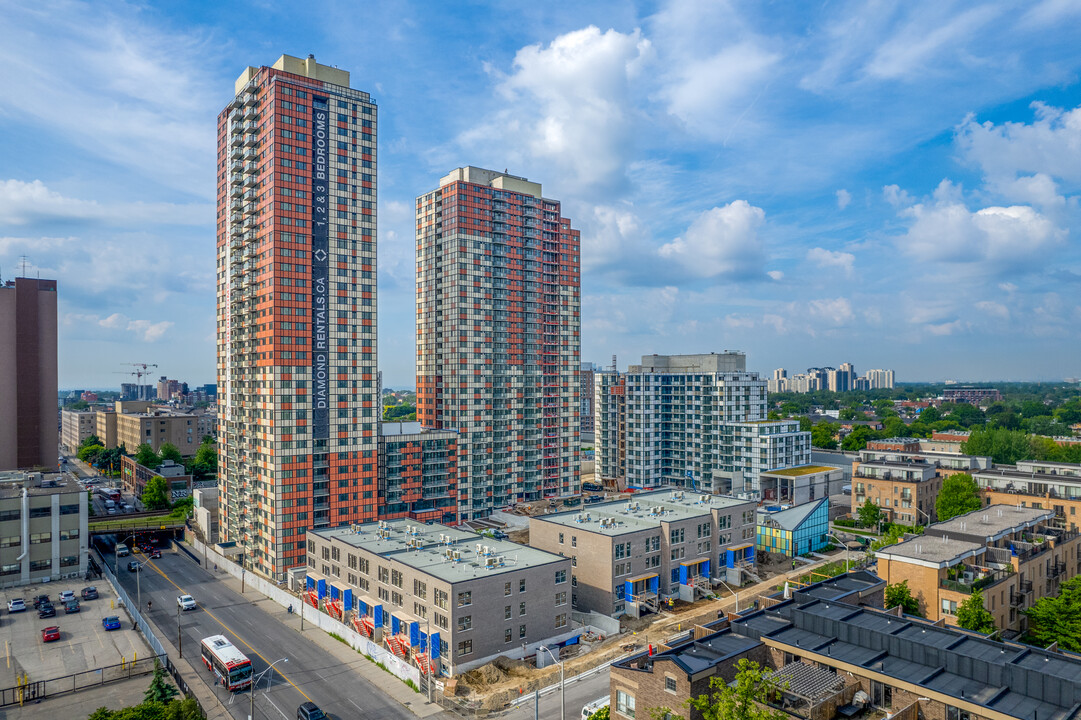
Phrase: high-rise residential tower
pixel 28 434
pixel 498 344
pixel 296 320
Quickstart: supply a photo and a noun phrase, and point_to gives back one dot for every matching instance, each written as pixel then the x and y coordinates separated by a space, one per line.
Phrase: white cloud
pixel 923 39
pixel 895 196
pixel 947 328
pixel 121 89
pixel 843 198
pixel 610 234
pixel 775 275
pixel 830 311
pixel 993 309
pixel 1050 145
pixel 567 106
pixel 830 258
pixel 145 330
pixel 24 203
pixel 1003 237
pixel 722 241
pixel 776 322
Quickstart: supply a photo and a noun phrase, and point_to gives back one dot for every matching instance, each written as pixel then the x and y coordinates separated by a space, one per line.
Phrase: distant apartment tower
pixel 779 382
pixel 880 379
pixel 498 314
pixel 691 420
pixel 29 435
pixel 841 379
pixel 296 324
pixel 585 382
pixel 167 387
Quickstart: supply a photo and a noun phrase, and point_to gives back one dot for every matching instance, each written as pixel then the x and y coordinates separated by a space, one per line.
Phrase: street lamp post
pixel 848 565
pixel 255 684
pixel 562 683
pixel 179 640
pixel 735 593
pixel 139 584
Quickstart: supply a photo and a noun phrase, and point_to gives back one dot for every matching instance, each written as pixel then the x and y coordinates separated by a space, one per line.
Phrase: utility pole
pixel 179 639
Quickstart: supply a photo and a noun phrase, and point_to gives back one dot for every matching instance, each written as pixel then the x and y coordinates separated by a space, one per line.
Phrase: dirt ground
pixel 503 681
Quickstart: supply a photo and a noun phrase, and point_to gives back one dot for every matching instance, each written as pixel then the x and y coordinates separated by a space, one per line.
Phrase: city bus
pixel 230 667
pixel 109 493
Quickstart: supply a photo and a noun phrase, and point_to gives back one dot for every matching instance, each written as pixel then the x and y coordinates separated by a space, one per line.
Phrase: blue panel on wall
pixel 378 615
pixel 628 589
pixel 435 645
pixel 321 588
pixel 705 568
pixel 653 583
pixel 334 592
pixel 395 626
pixel 414 633
pixel 347 599
pixel 311 583
pixel 683 574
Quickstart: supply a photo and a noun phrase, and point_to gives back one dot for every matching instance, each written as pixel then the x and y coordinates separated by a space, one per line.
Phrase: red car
pixel 50 634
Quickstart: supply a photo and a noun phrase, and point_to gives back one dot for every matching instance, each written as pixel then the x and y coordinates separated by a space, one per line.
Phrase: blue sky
pixel 890 184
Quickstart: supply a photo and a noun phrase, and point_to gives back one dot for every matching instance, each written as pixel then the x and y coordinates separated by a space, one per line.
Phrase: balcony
pixel 1017 599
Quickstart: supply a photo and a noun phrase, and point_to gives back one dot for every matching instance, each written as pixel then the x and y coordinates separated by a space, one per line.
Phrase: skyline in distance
pixel 895 188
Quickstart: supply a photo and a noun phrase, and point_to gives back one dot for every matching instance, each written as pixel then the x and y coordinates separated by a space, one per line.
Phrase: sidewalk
pixel 387 683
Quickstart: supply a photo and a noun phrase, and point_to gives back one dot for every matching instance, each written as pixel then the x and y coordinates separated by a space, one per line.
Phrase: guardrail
pixel 36 690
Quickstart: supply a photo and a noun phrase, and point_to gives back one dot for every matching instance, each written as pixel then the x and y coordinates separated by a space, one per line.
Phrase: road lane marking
pixel 231 632
pixel 7 651
pixel 275 706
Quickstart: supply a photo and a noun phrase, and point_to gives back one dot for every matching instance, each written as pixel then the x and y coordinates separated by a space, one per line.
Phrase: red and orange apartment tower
pixel 498 336
pixel 296 309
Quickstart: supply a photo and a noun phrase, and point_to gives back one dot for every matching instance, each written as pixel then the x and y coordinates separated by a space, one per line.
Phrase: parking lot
pixel 84 643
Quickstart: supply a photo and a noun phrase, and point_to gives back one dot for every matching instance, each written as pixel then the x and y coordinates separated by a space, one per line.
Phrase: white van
pixel 109 505
pixel 592 707
pixel 122 550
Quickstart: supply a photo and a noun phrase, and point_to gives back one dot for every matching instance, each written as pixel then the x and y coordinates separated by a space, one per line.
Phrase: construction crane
pixel 141 371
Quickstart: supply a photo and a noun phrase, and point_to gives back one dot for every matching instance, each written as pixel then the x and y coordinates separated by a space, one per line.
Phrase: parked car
pixel 90 593
pixel 16 605
pixel 133 566
pixel 111 623
pixel 40 600
pixel 310 711
pixel 500 535
pixel 46 611
pixel 50 634
pixel 67 596
pixel 186 602
pixel 155 554
pixel 71 606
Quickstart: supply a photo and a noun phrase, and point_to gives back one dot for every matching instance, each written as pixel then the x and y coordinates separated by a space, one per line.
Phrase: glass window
pixel 625 703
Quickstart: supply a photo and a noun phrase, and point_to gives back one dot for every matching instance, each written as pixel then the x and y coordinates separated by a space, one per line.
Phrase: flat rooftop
pixel 895 464
pixel 643 511
pixel 1025 475
pixel 432 548
pixel 991 522
pixel 801 470
pixel 935 550
pixel 12 484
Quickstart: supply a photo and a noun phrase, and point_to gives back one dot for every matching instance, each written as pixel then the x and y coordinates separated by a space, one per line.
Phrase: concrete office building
pixel 691 420
pixel 43 528
pixel 29 436
pixel 498 342
pixel 476 598
pixel 826 644
pixel 1015 555
pixel 76 426
pixel 630 556
pixel 156 428
pixel 296 309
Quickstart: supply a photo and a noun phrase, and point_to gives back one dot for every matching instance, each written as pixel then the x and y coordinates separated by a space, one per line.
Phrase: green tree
pixel 964 413
pixel 160 689
pixel 744 699
pixel 605 713
pixel 1005 447
pixel 959 494
pixel 930 415
pixel 894 534
pixel 1058 617
pixel 207 455
pixel 90 453
pixel 869 514
pixel 90 440
pixel 168 451
pixel 145 456
pixel 805 423
pixel 972 615
pixel 899 594
pixel 857 439
pixel 894 427
pixel 824 435
pixel 156 494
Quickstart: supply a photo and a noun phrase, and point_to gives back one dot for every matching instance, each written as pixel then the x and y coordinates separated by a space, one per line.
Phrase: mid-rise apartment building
pixel 155 428
pixel 586 409
pixel 800 484
pixel 971 394
pixel 43 528
pixel 946 463
pixel 833 652
pixel 1015 555
pixel 418 473
pixel 905 491
pixel 296 309
pixel 1035 484
pixel 436 594
pixel 630 556
pixel 28 372
pixel 498 342
pixel 76 426
pixel 135 477
pixel 691 420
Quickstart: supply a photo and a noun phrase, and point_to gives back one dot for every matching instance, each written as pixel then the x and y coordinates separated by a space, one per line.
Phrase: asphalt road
pixel 310 674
